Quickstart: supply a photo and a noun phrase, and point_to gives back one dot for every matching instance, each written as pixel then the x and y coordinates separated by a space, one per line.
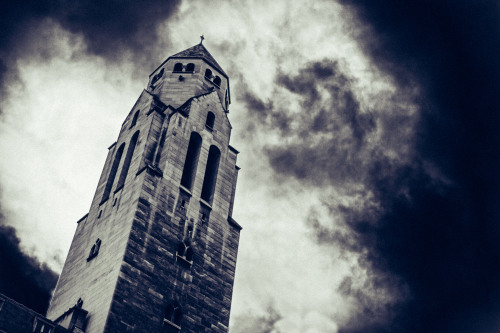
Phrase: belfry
pixel 157 250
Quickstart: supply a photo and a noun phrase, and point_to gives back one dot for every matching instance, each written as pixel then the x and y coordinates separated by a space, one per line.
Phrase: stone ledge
pixel 183 261
pixel 205 204
pixel 234 150
pixel 169 323
pixel 185 190
pixel 234 223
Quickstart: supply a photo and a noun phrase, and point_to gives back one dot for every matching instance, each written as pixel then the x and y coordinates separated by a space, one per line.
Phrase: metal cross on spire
pixel 202 38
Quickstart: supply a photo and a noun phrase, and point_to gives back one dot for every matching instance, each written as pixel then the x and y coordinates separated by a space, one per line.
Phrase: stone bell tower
pixel 157 250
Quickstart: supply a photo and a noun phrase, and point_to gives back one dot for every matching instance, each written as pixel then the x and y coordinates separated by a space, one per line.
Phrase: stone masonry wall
pixel 152 275
pixel 94 281
pixel 138 272
pixel 174 90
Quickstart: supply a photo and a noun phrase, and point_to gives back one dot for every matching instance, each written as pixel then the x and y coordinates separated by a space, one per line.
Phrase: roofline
pixel 202 58
pixel 83 218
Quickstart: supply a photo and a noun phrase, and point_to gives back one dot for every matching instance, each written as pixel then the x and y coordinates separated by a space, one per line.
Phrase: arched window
pixel 112 173
pixel 207 192
pixel 178 67
pixel 185 251
pixel 126 162
pixel 217 81
pixel 190 68
pixel 208 74
pixel 134 120
pixel 157 76
pixel 210 120
pixel 191 162
pixel 173 317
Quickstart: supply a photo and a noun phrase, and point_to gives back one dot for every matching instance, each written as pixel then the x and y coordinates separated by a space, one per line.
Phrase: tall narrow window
pixel 126 162
pixel 112 173
pixel 134 120
pixel 210 120
pixel 178 67
pixel 191 161
pixel 190 68
pixel 208 73
pixel 217 81
pixel 207 192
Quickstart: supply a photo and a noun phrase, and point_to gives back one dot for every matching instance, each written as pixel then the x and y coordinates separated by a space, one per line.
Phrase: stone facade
pixel 153 255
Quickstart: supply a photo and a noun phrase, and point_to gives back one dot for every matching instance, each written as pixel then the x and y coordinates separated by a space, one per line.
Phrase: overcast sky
pixel 368 134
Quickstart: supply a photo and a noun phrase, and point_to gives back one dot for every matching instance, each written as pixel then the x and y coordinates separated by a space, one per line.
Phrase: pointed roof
pixel 199 52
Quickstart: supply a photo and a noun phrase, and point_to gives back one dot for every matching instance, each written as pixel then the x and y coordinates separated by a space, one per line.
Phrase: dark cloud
pixel 424 226
pixel 111 29
pixel 439 237
pixel 330 139
pixel 22 277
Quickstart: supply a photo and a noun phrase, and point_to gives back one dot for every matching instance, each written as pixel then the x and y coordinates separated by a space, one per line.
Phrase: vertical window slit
pixel 207 192
pixel 112 173
pixel 209 123
pixel 127 161
pixel 191 162
pixel 134 120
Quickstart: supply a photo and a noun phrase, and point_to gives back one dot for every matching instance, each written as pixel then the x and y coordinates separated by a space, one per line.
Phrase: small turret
pixel 189 73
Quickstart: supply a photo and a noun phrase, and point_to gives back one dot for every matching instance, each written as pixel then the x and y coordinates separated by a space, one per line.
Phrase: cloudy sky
pixel 368 133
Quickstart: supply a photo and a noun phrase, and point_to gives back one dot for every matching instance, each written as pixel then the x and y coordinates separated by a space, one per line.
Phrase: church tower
pixel 157 250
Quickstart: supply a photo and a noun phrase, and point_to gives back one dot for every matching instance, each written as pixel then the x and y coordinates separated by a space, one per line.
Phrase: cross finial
pixel 202 38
